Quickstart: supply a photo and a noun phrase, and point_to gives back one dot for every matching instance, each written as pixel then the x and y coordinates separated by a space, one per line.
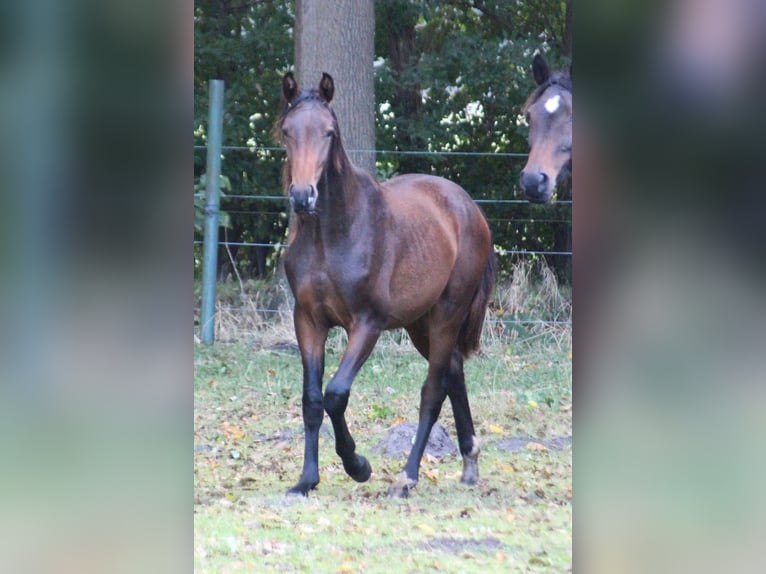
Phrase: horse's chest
pixel 327 287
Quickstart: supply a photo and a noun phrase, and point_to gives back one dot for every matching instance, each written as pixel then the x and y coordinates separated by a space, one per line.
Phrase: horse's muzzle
pixel 303 199
pixel 536 187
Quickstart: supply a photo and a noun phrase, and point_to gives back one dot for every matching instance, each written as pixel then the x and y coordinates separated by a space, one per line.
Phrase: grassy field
pixel 249 451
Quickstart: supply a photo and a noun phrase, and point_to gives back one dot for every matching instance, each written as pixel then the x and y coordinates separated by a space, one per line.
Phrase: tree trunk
pixel 337 37
pixel 407 101
pixel 566 39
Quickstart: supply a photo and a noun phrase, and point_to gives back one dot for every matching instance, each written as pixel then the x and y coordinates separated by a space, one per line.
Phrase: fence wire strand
pixel 486 201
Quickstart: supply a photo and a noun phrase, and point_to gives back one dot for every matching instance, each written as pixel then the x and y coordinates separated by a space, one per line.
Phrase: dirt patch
pixel 462 545
pixel 517 443
pixel 398 442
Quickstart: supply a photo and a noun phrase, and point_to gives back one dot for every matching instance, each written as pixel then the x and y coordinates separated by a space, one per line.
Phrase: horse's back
pixel 429 195
pixel 430 185
pixel 420 195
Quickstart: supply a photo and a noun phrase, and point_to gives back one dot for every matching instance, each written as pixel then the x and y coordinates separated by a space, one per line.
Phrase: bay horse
pixel 548 111
pixel 414 252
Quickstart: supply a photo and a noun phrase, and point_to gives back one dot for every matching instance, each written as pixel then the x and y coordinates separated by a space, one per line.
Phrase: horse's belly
pixel 412 293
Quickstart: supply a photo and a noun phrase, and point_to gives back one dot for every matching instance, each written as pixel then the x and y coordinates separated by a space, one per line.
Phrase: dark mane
pixel 557 79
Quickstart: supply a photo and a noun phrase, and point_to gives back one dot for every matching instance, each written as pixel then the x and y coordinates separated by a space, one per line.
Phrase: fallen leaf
pixel 425 528
pixel 232 431
pixel 536 446
pixel 496 429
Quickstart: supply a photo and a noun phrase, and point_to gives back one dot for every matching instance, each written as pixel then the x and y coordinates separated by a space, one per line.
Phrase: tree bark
pixel 407 101
pixel 566 38
pixel 337 37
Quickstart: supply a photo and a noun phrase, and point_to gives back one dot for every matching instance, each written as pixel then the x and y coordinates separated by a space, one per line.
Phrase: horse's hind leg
pixel 469 444
pixel 361 341
pixel 432 396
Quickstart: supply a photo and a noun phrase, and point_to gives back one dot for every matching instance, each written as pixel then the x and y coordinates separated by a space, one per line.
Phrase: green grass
pixel 249 450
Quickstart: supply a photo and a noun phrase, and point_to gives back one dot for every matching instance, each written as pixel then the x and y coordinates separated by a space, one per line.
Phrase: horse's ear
pixel 326 87
pixel 540 69
pixel 289 87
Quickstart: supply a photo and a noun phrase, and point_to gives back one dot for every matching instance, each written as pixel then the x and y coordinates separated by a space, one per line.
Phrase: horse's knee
pixel 335 403
pixel 312 408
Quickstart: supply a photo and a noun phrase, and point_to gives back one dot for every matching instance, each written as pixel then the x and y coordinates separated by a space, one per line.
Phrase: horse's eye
pixel 329 134
pixel 565 148
pixel 284 133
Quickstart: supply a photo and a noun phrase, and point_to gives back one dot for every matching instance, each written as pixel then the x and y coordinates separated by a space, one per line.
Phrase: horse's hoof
pixel 302 489
pixel 469 480
pixel 362 471
pixel 401 487
pixel 471 465
pixel 398 491
pixel 470 475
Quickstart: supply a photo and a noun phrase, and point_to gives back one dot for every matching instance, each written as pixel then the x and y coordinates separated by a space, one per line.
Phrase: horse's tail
pixel 470 332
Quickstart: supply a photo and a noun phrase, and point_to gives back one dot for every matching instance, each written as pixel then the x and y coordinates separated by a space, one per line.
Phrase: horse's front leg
pixel 361 341
pixel 311 341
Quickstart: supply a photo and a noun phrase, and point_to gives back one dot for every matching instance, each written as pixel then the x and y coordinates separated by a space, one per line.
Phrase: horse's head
pixel 549 115
pixel 309 130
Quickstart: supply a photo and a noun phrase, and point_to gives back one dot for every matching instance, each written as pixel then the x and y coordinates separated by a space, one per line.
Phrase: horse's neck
pixel 347 204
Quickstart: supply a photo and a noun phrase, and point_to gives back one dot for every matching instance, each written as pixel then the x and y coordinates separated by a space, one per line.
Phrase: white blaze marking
pixel 552 104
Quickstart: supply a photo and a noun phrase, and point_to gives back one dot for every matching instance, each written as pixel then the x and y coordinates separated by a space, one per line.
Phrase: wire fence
pixel 280 202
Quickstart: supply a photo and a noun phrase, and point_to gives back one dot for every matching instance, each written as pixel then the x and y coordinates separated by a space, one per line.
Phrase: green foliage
pixel 450 76
pixel 249 45
pixel 466 69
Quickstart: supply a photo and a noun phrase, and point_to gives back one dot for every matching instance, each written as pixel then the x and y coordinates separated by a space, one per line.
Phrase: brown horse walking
pixel 413 252
pixel 549 115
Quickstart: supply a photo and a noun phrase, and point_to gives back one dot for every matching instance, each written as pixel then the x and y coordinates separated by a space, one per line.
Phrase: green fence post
pixel 212 199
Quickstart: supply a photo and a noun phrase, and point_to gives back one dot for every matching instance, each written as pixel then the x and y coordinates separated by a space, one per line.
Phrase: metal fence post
pixel 212 197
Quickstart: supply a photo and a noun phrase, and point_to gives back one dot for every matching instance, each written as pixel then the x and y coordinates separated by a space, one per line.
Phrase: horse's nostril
pixel 303 198
pixel 533 180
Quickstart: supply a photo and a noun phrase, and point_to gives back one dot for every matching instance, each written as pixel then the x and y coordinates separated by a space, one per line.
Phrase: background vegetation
pixel 451 76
